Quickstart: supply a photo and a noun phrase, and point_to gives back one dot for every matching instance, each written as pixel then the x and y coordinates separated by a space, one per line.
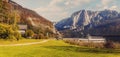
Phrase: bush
pixel 109 44
pixel 46 32
pixel 117 45
pixel 8 32
pixel 17 35
pixel 85 44
pixel 29 33
pixel 40 36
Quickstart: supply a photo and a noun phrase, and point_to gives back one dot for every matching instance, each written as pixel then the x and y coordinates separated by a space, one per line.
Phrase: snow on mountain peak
pixel 86 17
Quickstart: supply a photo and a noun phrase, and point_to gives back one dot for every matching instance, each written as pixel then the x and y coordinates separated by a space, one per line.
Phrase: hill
pixel 34 21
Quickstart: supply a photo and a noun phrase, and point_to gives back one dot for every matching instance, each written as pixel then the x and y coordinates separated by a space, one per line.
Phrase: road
pixel 24 44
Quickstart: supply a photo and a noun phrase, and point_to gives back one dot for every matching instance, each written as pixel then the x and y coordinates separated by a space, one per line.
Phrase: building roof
pixel 22 27
pixel 22 31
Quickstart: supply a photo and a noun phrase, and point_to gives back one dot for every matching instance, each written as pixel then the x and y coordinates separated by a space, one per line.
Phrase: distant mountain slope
pixel 94 22
pixel 35 22
pixel 30 15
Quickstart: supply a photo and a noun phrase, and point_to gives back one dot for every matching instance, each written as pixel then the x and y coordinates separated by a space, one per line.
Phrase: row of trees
pixel 42 33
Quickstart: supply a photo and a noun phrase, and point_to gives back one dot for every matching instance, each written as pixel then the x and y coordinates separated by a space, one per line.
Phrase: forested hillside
pixel 12 15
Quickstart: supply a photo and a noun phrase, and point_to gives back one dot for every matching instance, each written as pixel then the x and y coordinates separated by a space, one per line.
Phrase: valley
pixel 56 48
pixel 31 28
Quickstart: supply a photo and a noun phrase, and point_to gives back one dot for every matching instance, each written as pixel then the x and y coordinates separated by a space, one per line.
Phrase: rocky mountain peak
pixel 85 19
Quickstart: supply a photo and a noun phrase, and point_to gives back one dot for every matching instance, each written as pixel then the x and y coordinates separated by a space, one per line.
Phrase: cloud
pixel 52 6
pixel 114 7
pixel 55 2
pixel 56 10
pixel 107 4
pixel 104 4
pixel 52 11
pixel 76 3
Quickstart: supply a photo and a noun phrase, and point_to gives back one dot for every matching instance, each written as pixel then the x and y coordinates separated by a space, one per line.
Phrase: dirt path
pixel 24 44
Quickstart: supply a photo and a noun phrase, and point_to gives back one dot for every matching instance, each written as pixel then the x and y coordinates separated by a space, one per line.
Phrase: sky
pixel 56 10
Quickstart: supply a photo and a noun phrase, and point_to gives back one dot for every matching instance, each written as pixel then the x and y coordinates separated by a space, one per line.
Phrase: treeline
pixel 42 33
pixel 105 45
pixel 73 34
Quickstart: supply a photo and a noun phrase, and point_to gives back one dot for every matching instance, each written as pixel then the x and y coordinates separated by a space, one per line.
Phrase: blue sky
pixel 56 10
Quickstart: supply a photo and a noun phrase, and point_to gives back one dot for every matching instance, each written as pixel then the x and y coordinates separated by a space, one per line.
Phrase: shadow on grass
pixel 83 49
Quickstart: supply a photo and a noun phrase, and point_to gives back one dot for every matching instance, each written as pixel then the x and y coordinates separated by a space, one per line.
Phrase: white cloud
pixel 76 3
pixel 107 4
pixel 55 11
pixel 52 6
pixel 52 11
pixel 104 4
pixel 54 2
pixel 114 7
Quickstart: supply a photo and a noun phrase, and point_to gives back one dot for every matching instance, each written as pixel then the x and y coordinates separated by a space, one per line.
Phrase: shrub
pixel 109 44
pixel 112 45
pixel 17 35
pixel 8 32
pixel 85 44
pixel 29 33
pixel 40 36
pixel 117 45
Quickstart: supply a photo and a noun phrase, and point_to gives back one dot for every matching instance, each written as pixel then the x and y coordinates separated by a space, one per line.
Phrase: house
pixel 93 39
pixel 88 39
pixel 22 28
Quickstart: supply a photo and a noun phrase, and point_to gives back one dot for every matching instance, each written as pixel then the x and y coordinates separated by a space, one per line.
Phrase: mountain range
pixel 83 22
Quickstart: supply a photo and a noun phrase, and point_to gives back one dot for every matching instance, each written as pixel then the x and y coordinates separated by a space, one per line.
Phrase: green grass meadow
pixel 55 48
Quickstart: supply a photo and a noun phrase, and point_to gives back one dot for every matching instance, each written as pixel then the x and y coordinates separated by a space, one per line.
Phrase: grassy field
pixel 4 42
pixel 54 48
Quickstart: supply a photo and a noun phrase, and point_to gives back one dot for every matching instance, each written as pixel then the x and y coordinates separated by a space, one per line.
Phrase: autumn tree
pixel 29 33
pixel 8 32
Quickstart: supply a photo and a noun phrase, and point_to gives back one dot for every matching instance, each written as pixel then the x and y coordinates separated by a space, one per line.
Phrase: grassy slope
pixel 55 48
